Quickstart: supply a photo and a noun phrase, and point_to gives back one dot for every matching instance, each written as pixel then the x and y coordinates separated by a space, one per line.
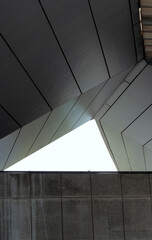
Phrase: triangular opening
pixel 83 149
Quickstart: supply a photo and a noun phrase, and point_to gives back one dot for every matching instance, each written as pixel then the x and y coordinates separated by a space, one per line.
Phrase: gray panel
pixel 141 130
pixel 6 145
pixel 75 30
pixel 79 108
pixel 77 219
pixel 139 41
pixel 45 185
pixel 133 101
pixel 135 185
pixel 108 219
pixel 19 185
pixel 121 88
pixel 52 124
pixel 18 94
pixel 138 219
pixel 105 185
pixel 135 71
pixel 46 219
pixel 8 125
pixel 25 139
pixel 109 87
pixel 115 30
pixel 26 29
pixel 135 154
pixel 116 144
pixel 148 157
pixel 101 112
pixel 76 185
pixel 4 185
pixel 14 219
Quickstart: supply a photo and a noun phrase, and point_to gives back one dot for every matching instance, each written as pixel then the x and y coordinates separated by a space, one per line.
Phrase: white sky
pixel 83 149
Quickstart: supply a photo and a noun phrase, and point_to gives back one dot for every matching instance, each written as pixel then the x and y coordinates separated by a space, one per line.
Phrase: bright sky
pixel 83 149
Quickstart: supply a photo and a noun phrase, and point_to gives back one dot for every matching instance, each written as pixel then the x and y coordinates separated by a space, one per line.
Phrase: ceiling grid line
pixel 95 25
pixel 25 71
pixel 41 5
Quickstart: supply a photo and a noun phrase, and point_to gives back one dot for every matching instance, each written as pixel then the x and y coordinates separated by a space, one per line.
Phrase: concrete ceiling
pixel 66 62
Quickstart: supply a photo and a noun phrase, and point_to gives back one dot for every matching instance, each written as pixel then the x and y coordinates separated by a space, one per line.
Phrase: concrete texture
pixel 75 206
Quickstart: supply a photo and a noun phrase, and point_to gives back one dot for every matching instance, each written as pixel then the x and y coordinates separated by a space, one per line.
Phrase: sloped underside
pixel 66 62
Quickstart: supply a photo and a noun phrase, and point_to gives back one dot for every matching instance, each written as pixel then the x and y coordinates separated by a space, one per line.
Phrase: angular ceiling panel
pixel 28 33
pixel 114 25
pixel 25 139
pixel 132 102
pixel 52 124
pixel 7 123
pixel 18 94
pixel 75 30
pixel 6 144
pixel 141 129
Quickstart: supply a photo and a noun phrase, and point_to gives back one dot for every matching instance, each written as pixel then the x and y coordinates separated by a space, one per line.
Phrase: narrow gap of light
pixel 83 149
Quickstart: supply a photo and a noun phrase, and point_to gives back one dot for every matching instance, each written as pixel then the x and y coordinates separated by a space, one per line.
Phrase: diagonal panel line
pixel 125 89
pixel 10 116
pixel 12 148
pixel 99 38
pixel 59 45
pixel 25 71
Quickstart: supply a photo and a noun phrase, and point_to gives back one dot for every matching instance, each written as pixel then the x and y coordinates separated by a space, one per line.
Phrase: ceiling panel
pixel 114 25
pixel 108 88
pixel 25 139
pixel 17 93
pixel 52 124
pixel 76 112
pixel 148 157
pixel 141 129
pixel 116 144
pixel 121 88
pixel 7 124
pixel 132 102
pixel 74 27
pixel 6 145
pixel 101 112
pixel 27 31
pixel 135 154
pixel 135 71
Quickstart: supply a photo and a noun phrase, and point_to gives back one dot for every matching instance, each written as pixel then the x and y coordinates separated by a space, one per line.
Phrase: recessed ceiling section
pixel 74 27
pixel 25 28
pixel 18 95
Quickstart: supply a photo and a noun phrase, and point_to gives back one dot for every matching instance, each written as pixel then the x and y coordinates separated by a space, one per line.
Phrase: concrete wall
pixel 74 206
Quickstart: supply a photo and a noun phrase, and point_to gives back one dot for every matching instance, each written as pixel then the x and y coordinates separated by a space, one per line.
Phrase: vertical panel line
pixel 123 215
pixel 61 207
pixel 91 205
